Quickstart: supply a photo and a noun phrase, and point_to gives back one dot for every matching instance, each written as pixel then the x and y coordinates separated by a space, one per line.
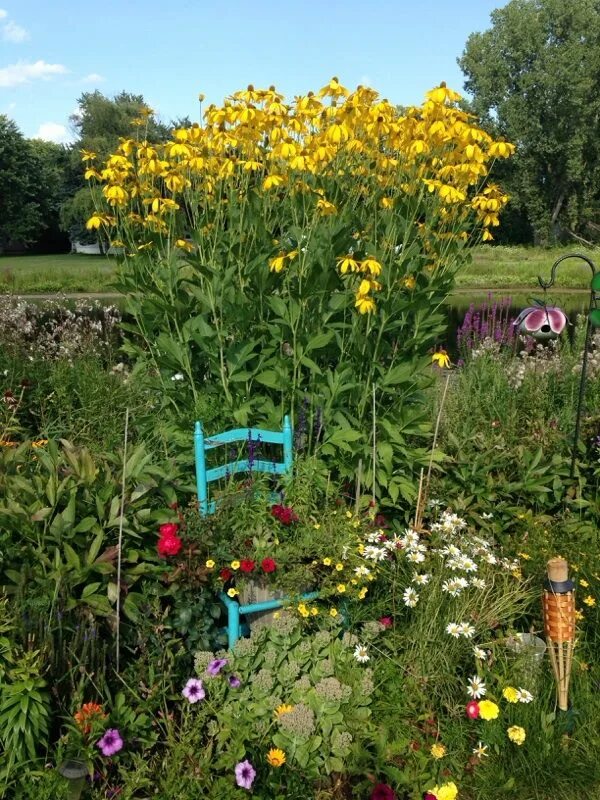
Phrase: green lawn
pixel 58 273
pixel 509 267
pixel 492 267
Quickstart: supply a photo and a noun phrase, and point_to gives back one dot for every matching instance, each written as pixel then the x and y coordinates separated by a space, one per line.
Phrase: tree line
pixel 533 78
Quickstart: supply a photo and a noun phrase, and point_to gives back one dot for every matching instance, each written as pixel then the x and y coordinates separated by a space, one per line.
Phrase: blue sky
pixel 52 51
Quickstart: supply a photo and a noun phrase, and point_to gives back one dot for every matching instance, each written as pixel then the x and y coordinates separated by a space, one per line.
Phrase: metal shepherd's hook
pixel 591 321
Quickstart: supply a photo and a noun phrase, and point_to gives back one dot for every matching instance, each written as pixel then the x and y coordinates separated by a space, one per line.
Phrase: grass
pixel 492 268
pixel 509 267
pixel 67 273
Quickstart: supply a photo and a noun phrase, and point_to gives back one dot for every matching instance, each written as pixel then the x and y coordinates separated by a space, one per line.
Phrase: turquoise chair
pixel 206 506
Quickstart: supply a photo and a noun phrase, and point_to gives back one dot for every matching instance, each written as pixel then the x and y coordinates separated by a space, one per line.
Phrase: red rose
pixel 385 621
pixel 225 574
pixel 168 529
pixel 246 565
pixel 472 709
pixel 169 545
pixel 268 565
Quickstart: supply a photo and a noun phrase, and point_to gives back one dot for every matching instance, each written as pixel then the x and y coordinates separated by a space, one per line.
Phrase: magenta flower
pixel 194 690
pixel 234 682
pixel 216 666
pixel 245 774
pixel 111 742
pixel 382 792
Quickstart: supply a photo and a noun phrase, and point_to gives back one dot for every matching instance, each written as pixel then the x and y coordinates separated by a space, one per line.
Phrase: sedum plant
pixel 282 251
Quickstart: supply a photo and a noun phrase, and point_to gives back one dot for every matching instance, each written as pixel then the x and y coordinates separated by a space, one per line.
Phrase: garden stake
pixel 559 625
pixel 374 443
pixel 593 319
pixel 118 638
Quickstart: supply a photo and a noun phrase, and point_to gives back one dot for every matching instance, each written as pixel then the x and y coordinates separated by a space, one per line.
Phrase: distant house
pixel 94 249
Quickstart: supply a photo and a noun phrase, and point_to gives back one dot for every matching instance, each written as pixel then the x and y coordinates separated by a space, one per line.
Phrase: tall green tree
pixel 535 76
pixel 21 217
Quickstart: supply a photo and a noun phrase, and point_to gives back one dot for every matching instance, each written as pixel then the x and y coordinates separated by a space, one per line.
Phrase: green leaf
pixel 319 341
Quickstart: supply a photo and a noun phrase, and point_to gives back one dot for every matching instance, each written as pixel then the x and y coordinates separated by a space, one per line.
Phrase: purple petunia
pixel 194 690
pixel 111 742
pixel 245 774
pixel 234 682
pixel 215 667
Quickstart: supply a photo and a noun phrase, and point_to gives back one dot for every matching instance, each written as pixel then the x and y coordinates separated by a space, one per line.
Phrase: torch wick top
pixel 558 570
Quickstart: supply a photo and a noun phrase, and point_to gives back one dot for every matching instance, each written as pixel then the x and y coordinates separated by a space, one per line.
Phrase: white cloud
pixel 17 74
pixel 3 13
pixel 93 77
pixel 53 132
pixel 11 32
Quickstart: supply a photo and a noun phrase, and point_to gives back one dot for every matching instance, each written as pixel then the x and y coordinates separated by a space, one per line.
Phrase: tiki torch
pixel 559 625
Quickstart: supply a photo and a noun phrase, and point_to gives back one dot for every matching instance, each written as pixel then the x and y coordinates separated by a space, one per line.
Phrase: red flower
pixel 246 565
pixel 429 796
pixel 383 792
pixel 169 545
pixel 385 621
pixel 285 514
pixel 225 574
pixel 268 565
pixel 472 709
pixel 168 529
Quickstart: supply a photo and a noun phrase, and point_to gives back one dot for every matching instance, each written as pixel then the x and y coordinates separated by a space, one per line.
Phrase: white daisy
pixel 362 571
pixel 410 597
pixel 415 557
pixel 487 515
pixel 467 564
pixel 421 580
pixel 524 696
pixel 361 654
pixel 479 653
pixel 374 553
pixel 478 583
pixel 453 629
pixel 481 750
pixel 476 687
pixel 466 630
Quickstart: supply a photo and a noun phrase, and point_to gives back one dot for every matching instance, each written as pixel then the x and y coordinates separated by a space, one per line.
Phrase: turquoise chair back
pixel 203 443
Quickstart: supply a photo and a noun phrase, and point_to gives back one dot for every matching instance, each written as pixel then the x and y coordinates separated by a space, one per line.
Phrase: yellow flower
pixel 341 588
pixel 349 515
pixel 583 583
pixel 325 207
pixel 347 264
pixel 276 757
pixel 316 526
pixel 303 610
pixel 409 282
pixel 314 611
pixel 232 592
pixel 366 305
pixel 438 750
pixel 277 264
pixel 449 791
pixel 235 565
pixel 210 564
pixel 488 710
pixel 94 222
pixel 441 358
pixel 516 734
pixel 501 149
pixel 371 266
pixel 272 182
pixel 579 615
pixel 333 612
pixel 589 601
pixel 363 593
pixel 183 245
pixel 339 566
pixel 511 694
pixel 524 556
pixel 327 562
pixel 284 708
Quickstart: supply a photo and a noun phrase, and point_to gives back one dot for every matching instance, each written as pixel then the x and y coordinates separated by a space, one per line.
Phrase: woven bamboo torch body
pixel 559 625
